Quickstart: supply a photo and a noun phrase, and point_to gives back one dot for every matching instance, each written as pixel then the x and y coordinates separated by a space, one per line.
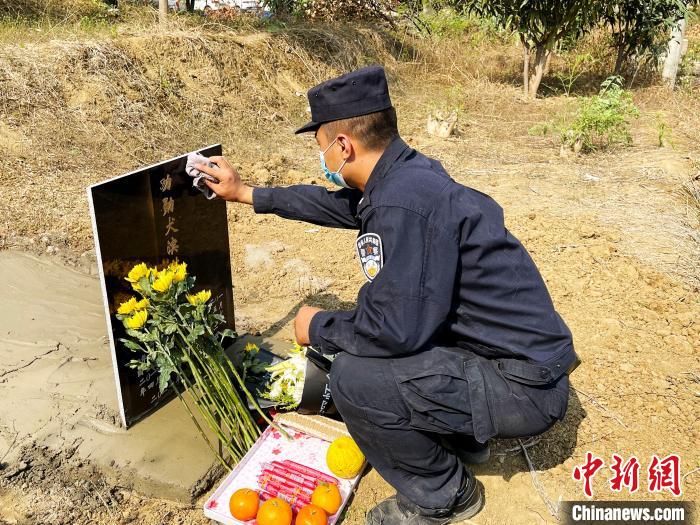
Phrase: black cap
pixel 356 93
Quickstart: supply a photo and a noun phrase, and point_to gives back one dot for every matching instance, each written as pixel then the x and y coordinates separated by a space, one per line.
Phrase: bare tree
pixel 163 10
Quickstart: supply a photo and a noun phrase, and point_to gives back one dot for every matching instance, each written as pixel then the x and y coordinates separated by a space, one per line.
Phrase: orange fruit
pixel 327 496
pixel 244 504
pixel 275 511
pixel 311 515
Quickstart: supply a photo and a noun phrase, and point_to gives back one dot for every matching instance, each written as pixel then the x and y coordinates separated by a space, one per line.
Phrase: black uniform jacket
pixel 440 264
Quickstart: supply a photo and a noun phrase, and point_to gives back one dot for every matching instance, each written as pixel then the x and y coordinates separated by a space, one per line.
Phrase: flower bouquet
pixel 178 333
pixel 286 380
pixel 300 382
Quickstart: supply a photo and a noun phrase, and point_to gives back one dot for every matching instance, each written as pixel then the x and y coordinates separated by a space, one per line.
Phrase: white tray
pixel 272 446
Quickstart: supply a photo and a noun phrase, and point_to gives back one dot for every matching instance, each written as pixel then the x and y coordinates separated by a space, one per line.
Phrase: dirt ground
pixel 612 234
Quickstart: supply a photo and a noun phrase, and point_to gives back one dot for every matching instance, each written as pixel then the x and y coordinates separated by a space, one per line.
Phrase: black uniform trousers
pixel 397 409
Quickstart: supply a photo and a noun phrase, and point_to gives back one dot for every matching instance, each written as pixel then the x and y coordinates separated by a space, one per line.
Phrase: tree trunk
pixel 620 59
pixel 673 55
pixel 526 68
pixel 162 10
pixel 541 57
pixel 190 5
pixel 548 64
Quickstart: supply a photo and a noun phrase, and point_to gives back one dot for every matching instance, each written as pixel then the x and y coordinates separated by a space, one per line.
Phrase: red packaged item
pixel 308 472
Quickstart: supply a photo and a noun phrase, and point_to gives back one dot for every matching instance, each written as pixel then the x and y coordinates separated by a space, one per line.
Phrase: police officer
pixel 454 339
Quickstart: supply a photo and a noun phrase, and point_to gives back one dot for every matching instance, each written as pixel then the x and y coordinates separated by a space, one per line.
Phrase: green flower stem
pixel 232 394
pixel 255 403
pixel 207 414
pixel 210 418
pixel 229 394
pixel 199 427
pixel 233 420
pixel 208 402
pixel 249 425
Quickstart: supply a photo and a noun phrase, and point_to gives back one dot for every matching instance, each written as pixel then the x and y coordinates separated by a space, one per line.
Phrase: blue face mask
pixel 333 176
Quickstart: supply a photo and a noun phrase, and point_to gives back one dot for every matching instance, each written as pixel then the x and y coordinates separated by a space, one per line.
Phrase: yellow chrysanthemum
pixel 137 320
pixel 251 346
pixel 180 271
pixel 163 281
pixel 142 304
pixel 199 298
pixel 137 272
pixel 128 306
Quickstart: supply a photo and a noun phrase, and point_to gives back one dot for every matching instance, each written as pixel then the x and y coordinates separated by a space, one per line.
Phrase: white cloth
pixel 198 176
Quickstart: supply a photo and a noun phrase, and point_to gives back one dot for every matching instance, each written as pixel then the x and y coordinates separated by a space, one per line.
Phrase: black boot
pixel 468 449
pixel 397 510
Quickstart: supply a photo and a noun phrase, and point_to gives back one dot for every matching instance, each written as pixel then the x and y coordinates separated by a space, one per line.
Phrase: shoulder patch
pixel 371 254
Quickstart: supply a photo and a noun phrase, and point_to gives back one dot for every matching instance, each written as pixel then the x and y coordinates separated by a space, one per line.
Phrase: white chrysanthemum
pixel 287 379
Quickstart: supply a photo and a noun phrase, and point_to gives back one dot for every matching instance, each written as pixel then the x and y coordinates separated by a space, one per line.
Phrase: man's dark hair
pixel 375 130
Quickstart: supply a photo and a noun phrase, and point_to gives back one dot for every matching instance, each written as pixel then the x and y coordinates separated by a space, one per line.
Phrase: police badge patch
pixel 369 249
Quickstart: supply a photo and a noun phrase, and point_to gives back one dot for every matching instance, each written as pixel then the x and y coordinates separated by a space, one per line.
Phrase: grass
pixel 690 192
pixel 95 20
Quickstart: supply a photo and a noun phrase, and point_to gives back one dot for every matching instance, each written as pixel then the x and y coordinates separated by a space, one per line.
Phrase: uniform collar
pixel 392 152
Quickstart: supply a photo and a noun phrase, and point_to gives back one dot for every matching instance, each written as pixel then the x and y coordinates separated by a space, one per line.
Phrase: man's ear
pixel 348 148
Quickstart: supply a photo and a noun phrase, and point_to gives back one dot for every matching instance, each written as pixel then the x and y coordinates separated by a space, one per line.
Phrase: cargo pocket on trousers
pixel 437 397
pixel 518 410
pixel 483 426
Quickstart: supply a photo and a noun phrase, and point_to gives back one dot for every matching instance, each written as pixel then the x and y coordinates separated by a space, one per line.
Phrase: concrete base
pixel 57 386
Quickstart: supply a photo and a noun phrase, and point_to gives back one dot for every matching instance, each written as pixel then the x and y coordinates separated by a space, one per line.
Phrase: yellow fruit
pixel 344 458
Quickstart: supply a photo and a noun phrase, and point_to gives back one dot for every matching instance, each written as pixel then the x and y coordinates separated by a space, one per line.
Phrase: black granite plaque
pixel 155 215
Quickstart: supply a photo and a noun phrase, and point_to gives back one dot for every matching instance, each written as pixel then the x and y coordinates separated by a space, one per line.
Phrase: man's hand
pixel 302 321
pixel 230 186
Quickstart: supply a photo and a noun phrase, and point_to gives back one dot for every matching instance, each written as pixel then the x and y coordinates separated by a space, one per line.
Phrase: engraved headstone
pixel 155 215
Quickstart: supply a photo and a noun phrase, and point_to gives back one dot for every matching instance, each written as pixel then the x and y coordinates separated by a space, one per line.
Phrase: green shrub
pixel 446 22
pixel 602 120
pixel 540 129
pixel 575 66
pixel 663 131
